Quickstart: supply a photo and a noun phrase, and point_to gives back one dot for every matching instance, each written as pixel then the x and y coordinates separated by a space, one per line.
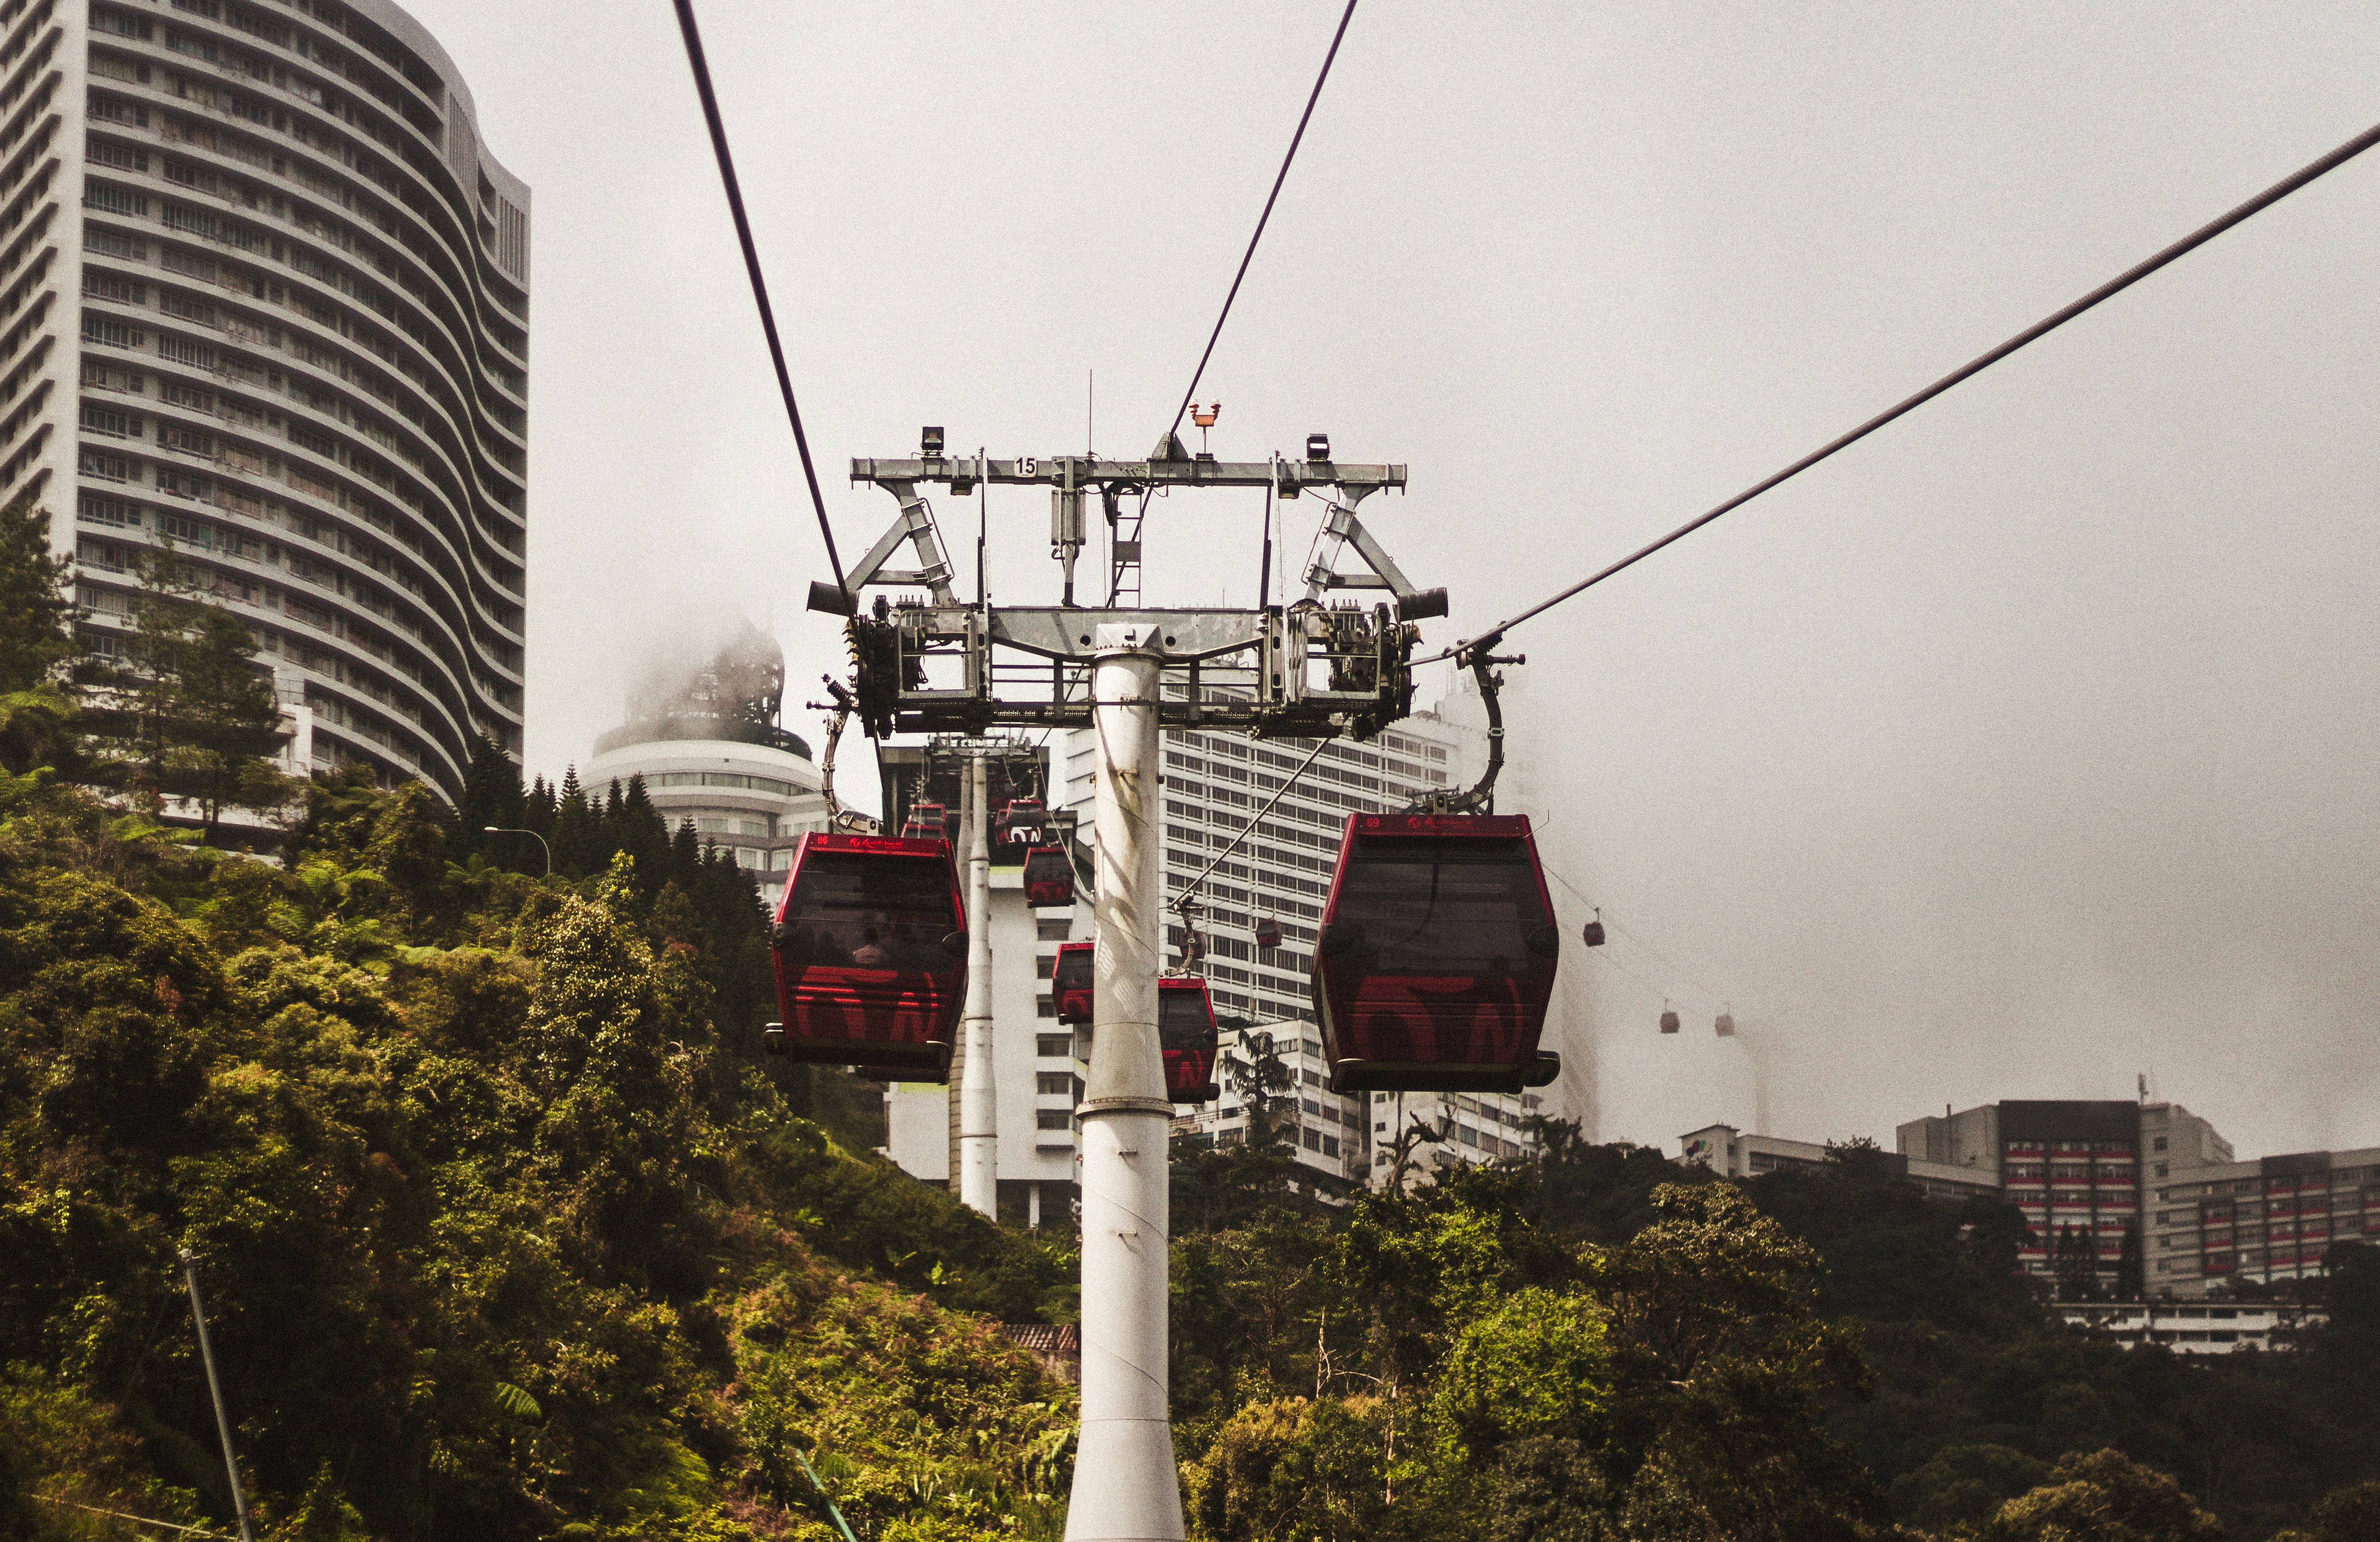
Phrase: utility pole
pixel 214 1389
pixel 979 1086
pixel 1126 1432
pixel 1320 665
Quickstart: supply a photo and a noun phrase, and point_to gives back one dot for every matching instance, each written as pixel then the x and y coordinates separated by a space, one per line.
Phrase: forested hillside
pixel 498 1238
pixel 507 1233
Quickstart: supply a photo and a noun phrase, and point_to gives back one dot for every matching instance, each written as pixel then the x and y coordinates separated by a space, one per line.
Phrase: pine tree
pixel 2132 1268
pixel 644 835
pixel 185 705
pixel 538 809
pixel 686 855
pixel 36 630
pixel 492 796
pixel 36 638
pixel 576 837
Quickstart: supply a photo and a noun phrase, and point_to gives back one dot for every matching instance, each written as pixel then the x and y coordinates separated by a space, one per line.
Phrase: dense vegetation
pixel 498 1236
pixel 506 1233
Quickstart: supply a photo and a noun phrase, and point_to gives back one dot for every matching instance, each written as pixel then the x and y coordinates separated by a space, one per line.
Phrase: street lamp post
pixel 513 830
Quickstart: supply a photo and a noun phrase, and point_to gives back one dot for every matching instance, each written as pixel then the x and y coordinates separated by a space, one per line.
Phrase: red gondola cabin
pixel 1069 982
pixel 1022 825
pixel 1049 878
pixel 1436 956
pixel 926 821
pixel 1185 1037
pixel 870 948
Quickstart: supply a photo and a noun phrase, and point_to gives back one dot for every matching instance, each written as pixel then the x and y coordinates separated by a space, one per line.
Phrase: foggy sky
pixel 2026 747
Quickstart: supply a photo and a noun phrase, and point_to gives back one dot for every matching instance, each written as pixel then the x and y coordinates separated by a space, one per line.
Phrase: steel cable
pixel 2115 285
pixel 694 56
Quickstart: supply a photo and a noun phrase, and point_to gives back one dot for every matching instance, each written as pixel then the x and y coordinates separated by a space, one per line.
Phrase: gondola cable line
pixel 2304 174
pixel 692 35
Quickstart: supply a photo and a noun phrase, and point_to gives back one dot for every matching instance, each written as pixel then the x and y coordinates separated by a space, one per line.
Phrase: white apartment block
pixel 2196 1330
pixel 265 300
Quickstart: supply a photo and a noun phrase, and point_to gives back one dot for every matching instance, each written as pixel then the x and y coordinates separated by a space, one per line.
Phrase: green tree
pixel 1299 1470
pixel 186 705
pixel 2348 1514
pixel 36 616
pixel 2104 1496
pixel 492 795
pixel 577 836
pixel 1965 1485
pixel 1725 1369
pixel 1535 1366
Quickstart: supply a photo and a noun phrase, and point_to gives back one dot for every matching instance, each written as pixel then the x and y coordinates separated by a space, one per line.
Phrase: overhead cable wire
pixel 1282 176
pixel 1190 890
pixel 694 56
pixel 2041 329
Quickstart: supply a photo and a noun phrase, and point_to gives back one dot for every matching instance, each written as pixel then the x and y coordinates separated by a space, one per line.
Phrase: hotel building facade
pixel 264 301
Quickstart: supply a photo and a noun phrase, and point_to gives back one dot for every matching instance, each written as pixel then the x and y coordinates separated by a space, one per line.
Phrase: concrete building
pixel 708 744
pixel 1326 1133
pixel 2073 1168
pixel 2213 1229
pixel 1732 1153
pixel 1451 1129
pixel 2196 1330
pixel 265 300
pixel 1352 1142
pixel 1728 1151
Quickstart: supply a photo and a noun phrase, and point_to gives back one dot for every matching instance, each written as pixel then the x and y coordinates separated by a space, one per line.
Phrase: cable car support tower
pixel 1321 665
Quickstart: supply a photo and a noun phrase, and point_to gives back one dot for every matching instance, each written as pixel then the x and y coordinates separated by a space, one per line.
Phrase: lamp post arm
pixel 514 830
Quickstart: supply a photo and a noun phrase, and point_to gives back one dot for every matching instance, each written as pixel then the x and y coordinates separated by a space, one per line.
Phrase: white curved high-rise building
pixel 264 297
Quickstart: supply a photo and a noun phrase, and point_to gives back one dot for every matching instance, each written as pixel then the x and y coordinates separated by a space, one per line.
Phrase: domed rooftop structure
pixel 733 696
pixel 704 736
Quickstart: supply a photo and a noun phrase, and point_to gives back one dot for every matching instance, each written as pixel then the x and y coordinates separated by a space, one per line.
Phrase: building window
pixel 1052 1119
pixel 107 420
pixel 1045 1007
pixel 113 334
pixel 1045 965
pixel 1055 1046
pixel 2160 1143
pixel 114 200
pixel 1056 1084
pixel 1053 931
pixel 2160 1170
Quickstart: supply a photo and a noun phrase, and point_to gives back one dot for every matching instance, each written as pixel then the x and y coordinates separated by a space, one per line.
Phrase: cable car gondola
pixel 869 950
pixel 1268 932
pixel 1186 1038
pixel 1724 1024
pixel 1592 935
pixel 1049 878
pixel 1668 1019
pixel 1069 982
pixel 1436 956
pixel 1022 823
pixel 926 821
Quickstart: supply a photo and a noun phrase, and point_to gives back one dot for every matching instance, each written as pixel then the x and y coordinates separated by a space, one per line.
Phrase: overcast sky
pixel 2027 749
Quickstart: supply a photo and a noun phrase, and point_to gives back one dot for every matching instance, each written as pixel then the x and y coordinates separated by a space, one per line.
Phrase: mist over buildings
pixel 2028 748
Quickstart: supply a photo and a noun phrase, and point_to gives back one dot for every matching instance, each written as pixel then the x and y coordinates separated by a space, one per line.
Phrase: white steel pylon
pixel 979 1086
pixel 1126 1488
